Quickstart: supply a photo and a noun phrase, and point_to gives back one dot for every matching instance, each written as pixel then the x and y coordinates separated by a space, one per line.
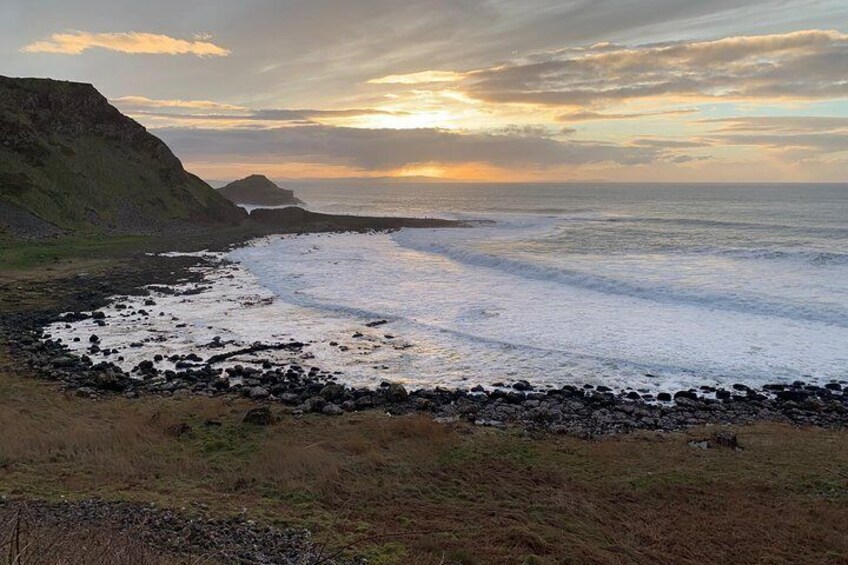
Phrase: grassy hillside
pixel 71 160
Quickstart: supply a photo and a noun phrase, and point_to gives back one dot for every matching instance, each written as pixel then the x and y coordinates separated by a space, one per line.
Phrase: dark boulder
pixel 396 393
pixel 259 416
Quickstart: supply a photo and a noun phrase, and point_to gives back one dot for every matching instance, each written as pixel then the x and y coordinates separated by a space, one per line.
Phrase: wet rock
pixel 687 394
pixel 792 395
pixel 396 393
pixel 423 403
pixel 332 392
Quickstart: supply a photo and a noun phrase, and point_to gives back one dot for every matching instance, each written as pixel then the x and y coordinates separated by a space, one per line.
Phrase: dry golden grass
pixel 410 490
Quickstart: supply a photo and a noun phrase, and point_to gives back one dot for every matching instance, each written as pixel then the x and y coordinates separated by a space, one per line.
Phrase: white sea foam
pixel 718 289
pixel 483 323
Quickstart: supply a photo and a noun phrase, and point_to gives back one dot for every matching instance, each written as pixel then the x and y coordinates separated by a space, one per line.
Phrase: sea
pixel 646 286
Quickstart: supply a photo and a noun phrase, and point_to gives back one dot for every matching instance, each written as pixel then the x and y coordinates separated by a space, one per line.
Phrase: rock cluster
pixel 583 411
pixel 230 540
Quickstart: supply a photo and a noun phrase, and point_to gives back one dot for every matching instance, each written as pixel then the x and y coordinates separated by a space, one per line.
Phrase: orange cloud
pixel 423 77
pixel 135 102
pixel 74 43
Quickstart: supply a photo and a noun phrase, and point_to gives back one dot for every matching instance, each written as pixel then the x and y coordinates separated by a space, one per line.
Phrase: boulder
pixel 396 393
pixel 258 393
pixel 259 416
pixel 332 410
pixel 332 392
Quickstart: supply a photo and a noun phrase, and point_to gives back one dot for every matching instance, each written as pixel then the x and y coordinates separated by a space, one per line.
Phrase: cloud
pixel 809 64
pixel 74 43
pixel 422 77
pixel 669 143
pixel 313 114
pixel 586 115
pixel 381 149
pixel 130 103
pixel 683 158
pixel 531 131
pixel 794 137
pixel 183 112
pixel 813 143
pixel 780 124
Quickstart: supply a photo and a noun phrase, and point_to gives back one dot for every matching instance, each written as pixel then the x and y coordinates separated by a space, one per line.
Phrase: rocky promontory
pixel 258 190
pixel 70 163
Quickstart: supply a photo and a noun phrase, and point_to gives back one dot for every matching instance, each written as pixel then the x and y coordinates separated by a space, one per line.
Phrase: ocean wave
pixel 737 225
pixel 796 255
pixel 461 252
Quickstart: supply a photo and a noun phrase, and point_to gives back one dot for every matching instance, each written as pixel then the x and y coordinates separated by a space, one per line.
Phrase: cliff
pixel 72 163
pixel 258 190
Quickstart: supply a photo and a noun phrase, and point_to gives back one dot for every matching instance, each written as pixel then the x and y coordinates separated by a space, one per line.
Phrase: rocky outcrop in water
pixel 258 190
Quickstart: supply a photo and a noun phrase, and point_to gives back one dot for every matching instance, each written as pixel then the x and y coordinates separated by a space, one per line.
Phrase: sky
pixel 489 90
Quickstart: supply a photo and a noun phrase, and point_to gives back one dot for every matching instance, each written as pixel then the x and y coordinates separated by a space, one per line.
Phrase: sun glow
pixel 441 119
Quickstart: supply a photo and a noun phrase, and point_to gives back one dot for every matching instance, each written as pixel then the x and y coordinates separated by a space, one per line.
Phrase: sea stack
pixel 258 190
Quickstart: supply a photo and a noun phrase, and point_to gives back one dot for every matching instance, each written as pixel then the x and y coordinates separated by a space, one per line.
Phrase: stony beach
pixel 292 384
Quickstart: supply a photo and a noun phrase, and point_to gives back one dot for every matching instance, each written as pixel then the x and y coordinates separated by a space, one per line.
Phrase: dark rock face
pixel 74 162
pixel 258 190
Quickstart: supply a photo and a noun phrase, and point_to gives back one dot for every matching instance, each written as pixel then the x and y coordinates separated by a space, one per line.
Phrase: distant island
pixel 258 190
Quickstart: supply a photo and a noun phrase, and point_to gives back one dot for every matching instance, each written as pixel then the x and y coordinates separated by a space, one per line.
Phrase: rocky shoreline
pixel 586 411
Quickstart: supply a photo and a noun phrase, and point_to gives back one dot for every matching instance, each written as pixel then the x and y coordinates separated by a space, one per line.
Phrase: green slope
pixel 70 159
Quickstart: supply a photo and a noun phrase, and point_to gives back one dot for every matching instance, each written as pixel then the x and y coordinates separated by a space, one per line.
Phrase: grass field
pixel 410 490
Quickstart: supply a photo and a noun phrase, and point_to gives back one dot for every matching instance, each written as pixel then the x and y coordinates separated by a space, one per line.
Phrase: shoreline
pixel 299 387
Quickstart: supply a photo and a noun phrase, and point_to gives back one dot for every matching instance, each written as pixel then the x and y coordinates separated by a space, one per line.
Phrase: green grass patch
pixel 28 255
